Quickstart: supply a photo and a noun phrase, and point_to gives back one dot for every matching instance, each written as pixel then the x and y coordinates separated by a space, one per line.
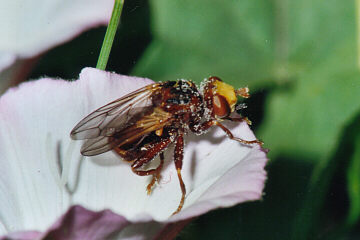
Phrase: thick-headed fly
pixel 142 124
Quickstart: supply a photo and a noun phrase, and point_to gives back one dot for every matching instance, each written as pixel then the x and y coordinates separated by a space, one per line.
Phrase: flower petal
pixel 227 174
pixel 35 121
pixel 29 235
pixel 239 182
pixel 41 164
pixel 31 27
pixel 6 60
pixel 80 223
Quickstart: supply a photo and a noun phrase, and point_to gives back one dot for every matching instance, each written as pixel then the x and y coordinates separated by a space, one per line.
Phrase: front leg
pixel 206 125
pixel 231 136
pixel 239 119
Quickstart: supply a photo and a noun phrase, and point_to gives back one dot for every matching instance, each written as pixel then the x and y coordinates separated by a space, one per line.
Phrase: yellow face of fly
pixel 228 92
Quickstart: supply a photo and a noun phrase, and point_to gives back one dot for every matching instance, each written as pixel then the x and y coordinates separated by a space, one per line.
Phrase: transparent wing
pixel 120 122
pixel 115 115
pixel 154 120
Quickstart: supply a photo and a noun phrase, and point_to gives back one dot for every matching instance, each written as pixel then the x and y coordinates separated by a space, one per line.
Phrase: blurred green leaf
pixel 306 115
pixel 307 119
pixel 339 170
pixel 245 42
pixel 353 180
pixel 303 52
pixel 196 39
pixel 301 46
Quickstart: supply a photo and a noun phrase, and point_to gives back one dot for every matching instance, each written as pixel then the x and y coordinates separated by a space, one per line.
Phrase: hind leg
pixel 156 175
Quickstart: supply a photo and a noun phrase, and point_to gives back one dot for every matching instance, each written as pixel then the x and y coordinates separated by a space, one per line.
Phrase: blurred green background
pixel 300 60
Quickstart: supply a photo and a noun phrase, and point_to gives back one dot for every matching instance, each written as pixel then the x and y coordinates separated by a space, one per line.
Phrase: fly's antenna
pixel 243 92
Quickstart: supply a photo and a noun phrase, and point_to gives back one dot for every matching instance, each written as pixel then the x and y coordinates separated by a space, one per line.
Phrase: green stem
pixel 110 35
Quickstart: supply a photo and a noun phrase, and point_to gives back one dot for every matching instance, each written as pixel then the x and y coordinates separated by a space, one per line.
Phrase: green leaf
pixel 248 42
pixel 303 52
pixel 196 39
pixel 305 116
pixel 353 181
pixel 306 120
pixel 344 160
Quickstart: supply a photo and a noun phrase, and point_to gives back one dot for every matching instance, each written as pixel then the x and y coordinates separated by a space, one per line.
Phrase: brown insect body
pixel 142 124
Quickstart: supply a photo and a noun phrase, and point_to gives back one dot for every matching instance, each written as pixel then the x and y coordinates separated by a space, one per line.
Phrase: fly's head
pixel 220 98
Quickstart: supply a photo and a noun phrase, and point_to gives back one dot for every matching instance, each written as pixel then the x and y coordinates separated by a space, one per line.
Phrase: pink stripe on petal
pixel 77 223
pixel 80 223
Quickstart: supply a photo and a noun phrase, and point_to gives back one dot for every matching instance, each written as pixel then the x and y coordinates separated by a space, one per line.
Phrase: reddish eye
pixel 221 106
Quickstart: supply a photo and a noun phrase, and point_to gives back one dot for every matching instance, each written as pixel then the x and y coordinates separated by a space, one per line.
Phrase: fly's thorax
pixel 181 97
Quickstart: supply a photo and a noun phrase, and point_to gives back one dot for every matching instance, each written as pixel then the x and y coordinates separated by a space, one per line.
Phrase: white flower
pixel 42 173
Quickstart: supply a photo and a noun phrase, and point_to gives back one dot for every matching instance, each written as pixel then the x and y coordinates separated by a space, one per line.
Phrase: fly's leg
pixel 231 136
pixel 206 125
pixel 239 119
pixel 149 156
pixel 178 159
pixel 156 175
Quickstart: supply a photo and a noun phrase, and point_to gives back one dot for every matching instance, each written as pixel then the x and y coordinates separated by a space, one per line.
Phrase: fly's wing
pixel 99 126
pixel 153 121
pixel 105 120
pixel 148 123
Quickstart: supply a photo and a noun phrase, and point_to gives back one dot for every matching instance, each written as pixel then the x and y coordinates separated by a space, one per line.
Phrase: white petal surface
pixel 35 122
pixel 6 59
pixel 29 27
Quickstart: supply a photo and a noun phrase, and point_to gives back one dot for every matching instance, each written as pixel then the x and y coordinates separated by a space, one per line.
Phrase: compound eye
pixel 221 106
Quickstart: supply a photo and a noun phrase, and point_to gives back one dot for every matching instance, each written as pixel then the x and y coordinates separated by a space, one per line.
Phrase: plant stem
pixel 110 35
